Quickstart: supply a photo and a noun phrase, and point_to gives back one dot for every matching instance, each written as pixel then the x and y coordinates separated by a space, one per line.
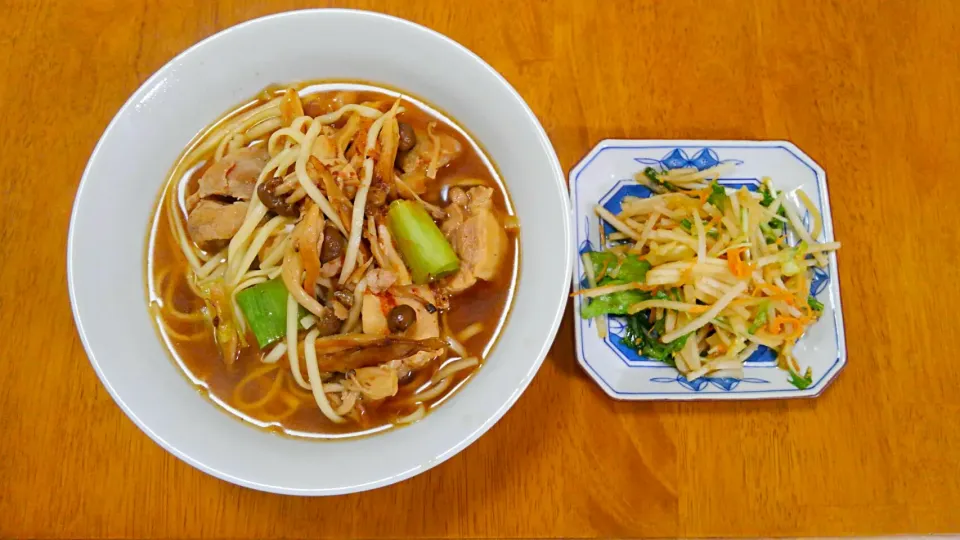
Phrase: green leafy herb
pixel 801 382
pixel 768 197
pixel 686 224
pixel 617 303
pixel 814 304
pixel 613 270
pixel 717 195
pixel 644 337
pixel 651 175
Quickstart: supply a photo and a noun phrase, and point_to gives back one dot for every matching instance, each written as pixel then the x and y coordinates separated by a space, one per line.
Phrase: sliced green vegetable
pixel 686 224
pixel 770 234
pixel 801 382
pixel 612 270
pixel 791 259
pixel 654 177
pixel 717 195
pixel 265 307
pixel 632 270
pixel 617 303
pixel 761 318
pixel 776 224
pixel 422 245
pixel 814 304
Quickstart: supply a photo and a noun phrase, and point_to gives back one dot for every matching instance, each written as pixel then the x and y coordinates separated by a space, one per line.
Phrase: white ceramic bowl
pixel 108 230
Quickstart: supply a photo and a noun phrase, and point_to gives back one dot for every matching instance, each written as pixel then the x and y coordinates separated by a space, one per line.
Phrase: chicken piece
pixel 481 243
pixel 324 149
pixel 339 310
pixel 456 215
pixel 415 362
pixel 317 105
pixel 373 383
pixel 420 359
pixel 373 315
pixel 212 223
pixel 479 198
pixel 376 308
pixel 459 197
pixel 379 280
pixel 476 234
pixel 331 269
pixel 460 281
pixel 428 323
pixel 418 158
pixel 235 175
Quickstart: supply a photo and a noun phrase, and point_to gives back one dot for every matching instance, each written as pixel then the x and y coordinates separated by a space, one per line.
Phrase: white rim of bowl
pixel 558 176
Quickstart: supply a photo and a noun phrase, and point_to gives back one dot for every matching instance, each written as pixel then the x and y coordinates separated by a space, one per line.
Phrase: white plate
pixel 606 175
pixel 108 230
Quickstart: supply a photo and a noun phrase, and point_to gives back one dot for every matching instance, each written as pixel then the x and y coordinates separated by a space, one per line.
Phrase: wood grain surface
pixel 870 89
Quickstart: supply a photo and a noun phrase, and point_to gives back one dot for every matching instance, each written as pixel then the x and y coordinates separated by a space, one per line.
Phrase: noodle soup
pixel 332 259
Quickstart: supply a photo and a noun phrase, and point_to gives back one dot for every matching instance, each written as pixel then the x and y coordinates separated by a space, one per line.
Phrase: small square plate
pixel 606 175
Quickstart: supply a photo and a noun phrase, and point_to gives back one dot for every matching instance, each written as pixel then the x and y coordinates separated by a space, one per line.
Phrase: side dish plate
pixel 605 175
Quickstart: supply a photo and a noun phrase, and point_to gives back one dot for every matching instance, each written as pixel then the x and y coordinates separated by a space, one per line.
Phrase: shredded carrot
pixel 776 326
pixel 714 222
pixel 704 194
pixel 737 266
pixel 603 271
pixel 775 293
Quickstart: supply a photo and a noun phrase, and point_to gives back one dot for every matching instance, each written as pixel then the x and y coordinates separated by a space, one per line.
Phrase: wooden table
pixel 870 89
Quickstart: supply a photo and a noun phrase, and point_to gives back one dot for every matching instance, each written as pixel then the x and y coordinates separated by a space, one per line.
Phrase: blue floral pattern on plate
pixel 605 177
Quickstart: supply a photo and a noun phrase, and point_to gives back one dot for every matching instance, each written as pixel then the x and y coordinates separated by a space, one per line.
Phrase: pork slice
pixel 212 224
pixel 235 175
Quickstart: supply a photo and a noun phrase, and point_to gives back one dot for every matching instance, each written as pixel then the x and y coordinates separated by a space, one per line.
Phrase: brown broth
pixel 198 354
